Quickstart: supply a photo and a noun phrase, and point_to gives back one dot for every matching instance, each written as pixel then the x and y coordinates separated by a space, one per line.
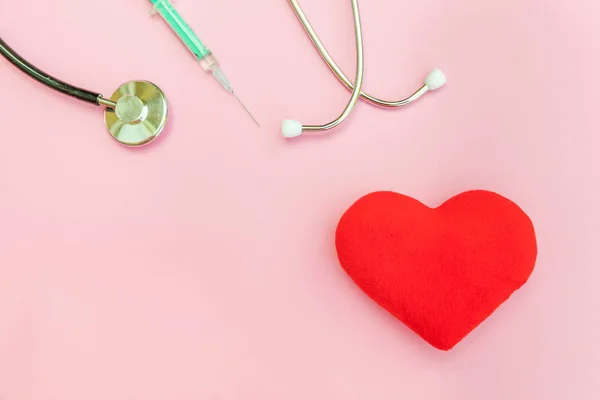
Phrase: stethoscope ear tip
pixel 435 80
pixel 291 129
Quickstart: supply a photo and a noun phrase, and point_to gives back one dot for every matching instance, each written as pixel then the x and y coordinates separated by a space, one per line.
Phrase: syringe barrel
pixel 181 28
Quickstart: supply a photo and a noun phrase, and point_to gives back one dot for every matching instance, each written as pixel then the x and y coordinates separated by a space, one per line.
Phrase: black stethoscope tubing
pixel 135 114
pixel 47 79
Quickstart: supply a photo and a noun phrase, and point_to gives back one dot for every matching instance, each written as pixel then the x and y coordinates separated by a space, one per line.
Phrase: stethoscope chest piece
pixel 140 113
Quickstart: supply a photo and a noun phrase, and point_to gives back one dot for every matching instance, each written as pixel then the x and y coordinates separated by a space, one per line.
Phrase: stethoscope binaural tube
pixel 135 114
pixel 291 128
pixel 433 81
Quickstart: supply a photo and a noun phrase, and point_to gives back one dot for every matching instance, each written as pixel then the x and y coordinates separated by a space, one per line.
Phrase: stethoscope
pixel 291 128
pixel 135 113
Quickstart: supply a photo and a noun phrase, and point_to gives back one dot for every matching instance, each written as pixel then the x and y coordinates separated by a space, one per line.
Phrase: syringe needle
pixel 194 44
pixel 249 113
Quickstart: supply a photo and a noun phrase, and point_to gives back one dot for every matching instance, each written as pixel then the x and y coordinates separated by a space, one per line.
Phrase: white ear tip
pixel 291 129
pixel 435 80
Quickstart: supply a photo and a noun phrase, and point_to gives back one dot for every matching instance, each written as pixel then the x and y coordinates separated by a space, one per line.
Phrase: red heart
pixel 441 271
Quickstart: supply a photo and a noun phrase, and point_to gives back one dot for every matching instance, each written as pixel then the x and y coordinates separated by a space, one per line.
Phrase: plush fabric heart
pixel 441 271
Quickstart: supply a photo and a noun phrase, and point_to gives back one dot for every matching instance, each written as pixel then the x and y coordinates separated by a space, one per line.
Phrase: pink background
pixel 203 266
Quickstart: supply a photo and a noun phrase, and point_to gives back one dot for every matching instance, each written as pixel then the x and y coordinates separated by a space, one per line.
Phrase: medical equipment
pixel 291 128
pixel 135 113
pixel 207 59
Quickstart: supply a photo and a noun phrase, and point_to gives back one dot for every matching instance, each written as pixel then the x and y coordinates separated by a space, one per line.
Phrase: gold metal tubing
pixel 338 72
pixel 359 64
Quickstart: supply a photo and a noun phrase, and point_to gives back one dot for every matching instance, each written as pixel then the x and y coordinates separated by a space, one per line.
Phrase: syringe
pixel 206 58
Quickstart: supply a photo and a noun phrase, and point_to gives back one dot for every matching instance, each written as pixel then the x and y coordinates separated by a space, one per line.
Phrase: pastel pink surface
pixel 204 266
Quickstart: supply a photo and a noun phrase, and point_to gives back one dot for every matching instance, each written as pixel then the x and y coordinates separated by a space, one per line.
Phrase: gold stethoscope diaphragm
pixel 139 115
pixel 136 113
